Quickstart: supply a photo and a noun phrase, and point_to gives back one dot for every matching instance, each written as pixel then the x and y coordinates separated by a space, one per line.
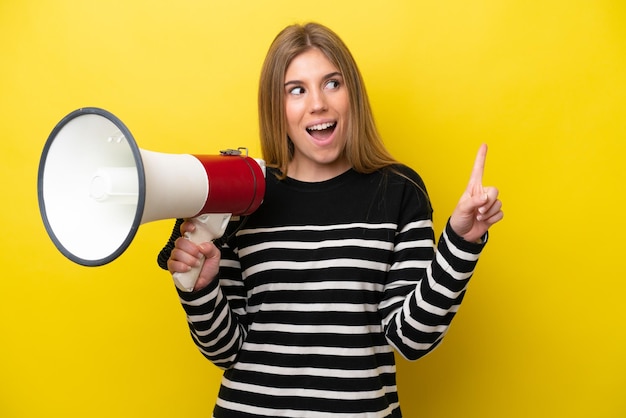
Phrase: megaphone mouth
pixel 89 161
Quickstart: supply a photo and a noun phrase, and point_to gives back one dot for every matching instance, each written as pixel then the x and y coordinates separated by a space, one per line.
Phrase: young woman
pixel 306 302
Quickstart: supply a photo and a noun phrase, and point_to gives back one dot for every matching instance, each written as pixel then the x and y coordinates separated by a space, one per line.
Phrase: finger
pixel 489 196
pixel 186 257
pixel 478 203
pixel 492 218
pixel 187 227
pixel 174 266
pixel 485 213
pixel 181 261
pixel 470 205
pixel 187 246
pixel 476 178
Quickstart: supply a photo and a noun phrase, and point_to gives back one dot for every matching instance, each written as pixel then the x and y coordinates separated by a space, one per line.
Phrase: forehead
pixel 309 64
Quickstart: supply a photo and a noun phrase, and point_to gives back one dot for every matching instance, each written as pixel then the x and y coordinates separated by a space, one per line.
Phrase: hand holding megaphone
pixel 95 187
pixel 187 257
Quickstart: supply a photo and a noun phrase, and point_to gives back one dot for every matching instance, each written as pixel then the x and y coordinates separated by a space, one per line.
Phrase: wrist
pixel 467 240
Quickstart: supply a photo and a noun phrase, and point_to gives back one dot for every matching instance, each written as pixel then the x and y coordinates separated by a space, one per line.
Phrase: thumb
pixel 473 201
pixel 208 249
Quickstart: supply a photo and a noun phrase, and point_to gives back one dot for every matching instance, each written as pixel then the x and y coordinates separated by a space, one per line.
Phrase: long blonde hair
pixel 364 147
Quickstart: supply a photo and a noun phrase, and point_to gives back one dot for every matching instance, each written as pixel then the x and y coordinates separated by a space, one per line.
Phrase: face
pixel 317 111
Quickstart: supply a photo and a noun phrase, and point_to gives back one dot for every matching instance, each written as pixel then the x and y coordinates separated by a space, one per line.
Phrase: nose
pixel 317 102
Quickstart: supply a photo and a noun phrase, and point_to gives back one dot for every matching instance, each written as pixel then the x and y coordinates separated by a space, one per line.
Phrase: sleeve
pixel 216 315
pixel 426 282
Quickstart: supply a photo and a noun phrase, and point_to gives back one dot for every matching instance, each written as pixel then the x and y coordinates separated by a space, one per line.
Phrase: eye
pixel 333 84
pixel 296 91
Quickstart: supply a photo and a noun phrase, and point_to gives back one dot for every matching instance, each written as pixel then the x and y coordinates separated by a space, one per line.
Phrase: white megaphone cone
pixel 95 187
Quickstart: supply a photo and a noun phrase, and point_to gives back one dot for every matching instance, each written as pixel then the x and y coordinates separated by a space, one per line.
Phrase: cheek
pixel 292 113
pixel 343 105
pixel 345 119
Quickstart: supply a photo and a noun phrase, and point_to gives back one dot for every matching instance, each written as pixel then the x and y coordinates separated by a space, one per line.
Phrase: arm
pixel 426 285
pixel 216 308
pixel 424 293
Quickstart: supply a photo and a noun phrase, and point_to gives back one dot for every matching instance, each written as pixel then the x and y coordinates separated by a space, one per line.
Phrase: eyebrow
pixel 326 77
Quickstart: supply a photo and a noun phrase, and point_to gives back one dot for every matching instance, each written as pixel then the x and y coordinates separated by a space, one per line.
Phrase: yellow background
pixel 541 332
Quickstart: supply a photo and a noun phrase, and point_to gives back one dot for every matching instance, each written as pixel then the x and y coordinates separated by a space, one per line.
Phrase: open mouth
pixel 322 131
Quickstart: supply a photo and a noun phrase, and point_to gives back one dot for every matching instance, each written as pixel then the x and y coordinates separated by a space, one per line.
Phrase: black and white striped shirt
pixel 318 288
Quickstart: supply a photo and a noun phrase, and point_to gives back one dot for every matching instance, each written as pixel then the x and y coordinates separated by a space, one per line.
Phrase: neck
pixel 316 173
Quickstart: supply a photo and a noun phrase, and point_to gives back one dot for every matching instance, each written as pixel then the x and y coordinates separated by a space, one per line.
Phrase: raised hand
pixel 479 206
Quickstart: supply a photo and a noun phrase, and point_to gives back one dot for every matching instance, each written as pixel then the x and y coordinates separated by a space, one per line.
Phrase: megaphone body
pixel 95 187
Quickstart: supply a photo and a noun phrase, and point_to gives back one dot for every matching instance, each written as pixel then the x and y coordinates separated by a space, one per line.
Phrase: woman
pixel 305 303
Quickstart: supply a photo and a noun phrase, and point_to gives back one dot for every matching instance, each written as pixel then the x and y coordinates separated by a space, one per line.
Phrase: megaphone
pixel 96 187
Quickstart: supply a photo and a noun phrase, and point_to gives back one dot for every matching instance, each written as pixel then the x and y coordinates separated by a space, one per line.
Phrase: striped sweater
pixel 316 290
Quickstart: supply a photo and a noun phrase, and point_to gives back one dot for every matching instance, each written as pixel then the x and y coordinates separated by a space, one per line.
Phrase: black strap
pixel 164 255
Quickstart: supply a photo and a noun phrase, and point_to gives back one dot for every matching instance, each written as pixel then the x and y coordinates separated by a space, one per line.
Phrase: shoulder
pixel 403 174
pixel 272 172
pixel 407 182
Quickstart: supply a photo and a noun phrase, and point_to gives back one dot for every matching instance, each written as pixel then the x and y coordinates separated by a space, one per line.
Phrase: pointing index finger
pixel 476 179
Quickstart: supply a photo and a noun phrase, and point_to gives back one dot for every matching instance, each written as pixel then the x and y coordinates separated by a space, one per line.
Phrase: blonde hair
pixel 364 147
